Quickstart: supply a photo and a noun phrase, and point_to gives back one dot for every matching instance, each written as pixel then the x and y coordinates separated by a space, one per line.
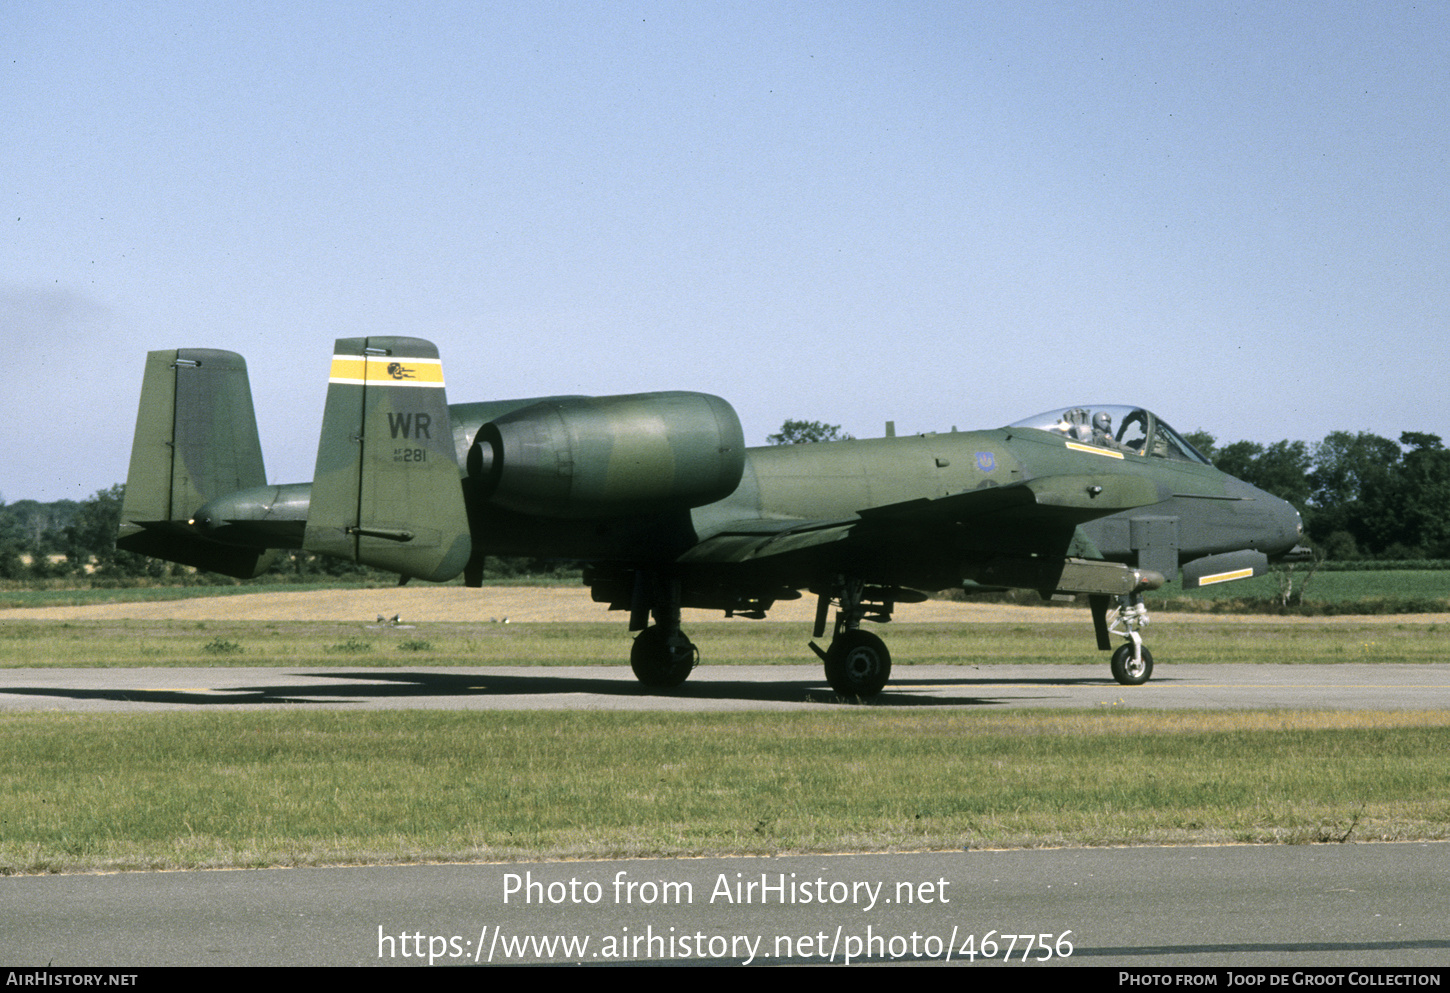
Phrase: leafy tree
pixel 1206 443
pixel 42 525
pixel 1424 493
pixel 11 530
pixel 1353 489
pixel 91 536
pixel 804 432
pixel 11 543
pixel 1339 545
pixel 1348 467
pixel 1281 468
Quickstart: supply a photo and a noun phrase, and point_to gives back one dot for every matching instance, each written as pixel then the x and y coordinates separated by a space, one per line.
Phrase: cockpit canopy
pixel 1117 428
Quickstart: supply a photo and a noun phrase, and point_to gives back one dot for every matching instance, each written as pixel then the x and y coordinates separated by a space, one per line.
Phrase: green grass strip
pixel 120 791
pixel 98 644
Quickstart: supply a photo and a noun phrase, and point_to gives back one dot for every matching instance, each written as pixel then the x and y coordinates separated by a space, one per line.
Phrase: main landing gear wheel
pixel 660 660
pixel 857 664
pixel 1130 671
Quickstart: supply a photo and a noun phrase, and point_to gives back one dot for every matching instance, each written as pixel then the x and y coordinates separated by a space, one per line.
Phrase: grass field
pixel 1350 592
pixel 84 792
pixel 310 643
pixel 286 788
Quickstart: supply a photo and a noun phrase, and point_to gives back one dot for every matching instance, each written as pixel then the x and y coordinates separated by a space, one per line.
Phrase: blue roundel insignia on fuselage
pixel 986 461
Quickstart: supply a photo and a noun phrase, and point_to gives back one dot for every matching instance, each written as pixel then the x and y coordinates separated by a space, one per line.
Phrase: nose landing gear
pixel 1132 664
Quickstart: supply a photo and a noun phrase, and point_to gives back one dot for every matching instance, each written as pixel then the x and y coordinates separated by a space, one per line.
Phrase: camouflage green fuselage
pixel 1199 511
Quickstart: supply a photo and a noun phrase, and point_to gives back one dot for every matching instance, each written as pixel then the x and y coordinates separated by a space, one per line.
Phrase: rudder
pixel 387 491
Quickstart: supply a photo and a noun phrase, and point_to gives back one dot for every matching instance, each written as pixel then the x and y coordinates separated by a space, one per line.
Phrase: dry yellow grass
pixel 456 603
pixel 561 604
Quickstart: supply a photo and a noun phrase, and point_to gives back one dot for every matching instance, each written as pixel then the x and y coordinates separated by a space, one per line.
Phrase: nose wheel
pixel 1130 669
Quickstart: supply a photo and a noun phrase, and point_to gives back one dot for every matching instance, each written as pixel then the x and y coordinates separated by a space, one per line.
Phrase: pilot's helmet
pixel 1103 421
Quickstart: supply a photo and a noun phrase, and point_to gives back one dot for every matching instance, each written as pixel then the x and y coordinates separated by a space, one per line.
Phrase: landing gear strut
pixel 1132 664
pixel 662 656
pixel 857 662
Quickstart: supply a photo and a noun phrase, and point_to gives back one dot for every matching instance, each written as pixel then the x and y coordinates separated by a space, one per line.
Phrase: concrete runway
pixel 795 687
pixel 1285 907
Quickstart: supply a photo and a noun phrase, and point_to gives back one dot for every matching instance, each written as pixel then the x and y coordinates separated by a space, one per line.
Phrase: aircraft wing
pixel 1047 500
pixel 1049 503
pixel 745 541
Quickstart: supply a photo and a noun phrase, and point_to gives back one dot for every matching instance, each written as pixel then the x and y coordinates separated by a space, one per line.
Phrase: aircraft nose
pixel 1289 527
pixel 1274 526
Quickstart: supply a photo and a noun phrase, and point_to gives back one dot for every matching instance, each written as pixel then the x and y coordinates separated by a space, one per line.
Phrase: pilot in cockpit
pixel 1103 431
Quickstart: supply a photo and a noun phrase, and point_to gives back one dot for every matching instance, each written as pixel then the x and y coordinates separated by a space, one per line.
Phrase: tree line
pixel 1362 497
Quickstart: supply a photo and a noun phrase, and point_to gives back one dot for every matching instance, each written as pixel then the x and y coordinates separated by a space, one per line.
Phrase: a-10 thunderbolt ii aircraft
pixel 658 496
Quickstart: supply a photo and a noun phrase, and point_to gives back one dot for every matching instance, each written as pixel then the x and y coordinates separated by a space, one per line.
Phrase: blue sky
pixel 936 213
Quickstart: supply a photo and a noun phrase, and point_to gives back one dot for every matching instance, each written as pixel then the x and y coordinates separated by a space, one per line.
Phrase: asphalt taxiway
pixel 1351 686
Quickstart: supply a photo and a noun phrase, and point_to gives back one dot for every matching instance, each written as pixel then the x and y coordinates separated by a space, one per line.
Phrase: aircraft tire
pixel 1125 672
pixel 858 664
pixel 659 665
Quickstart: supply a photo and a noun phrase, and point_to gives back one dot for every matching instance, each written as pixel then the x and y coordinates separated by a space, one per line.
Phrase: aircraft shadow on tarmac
pixel 386 688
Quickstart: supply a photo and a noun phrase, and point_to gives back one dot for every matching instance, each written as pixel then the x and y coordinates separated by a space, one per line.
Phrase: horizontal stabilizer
pixel 175 543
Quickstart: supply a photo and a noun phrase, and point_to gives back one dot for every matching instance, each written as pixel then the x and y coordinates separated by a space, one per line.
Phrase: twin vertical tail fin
pixel 388 491
pixel 196 439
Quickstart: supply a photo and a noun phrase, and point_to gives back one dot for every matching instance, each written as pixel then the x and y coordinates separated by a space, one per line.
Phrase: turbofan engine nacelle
pixel 594 457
